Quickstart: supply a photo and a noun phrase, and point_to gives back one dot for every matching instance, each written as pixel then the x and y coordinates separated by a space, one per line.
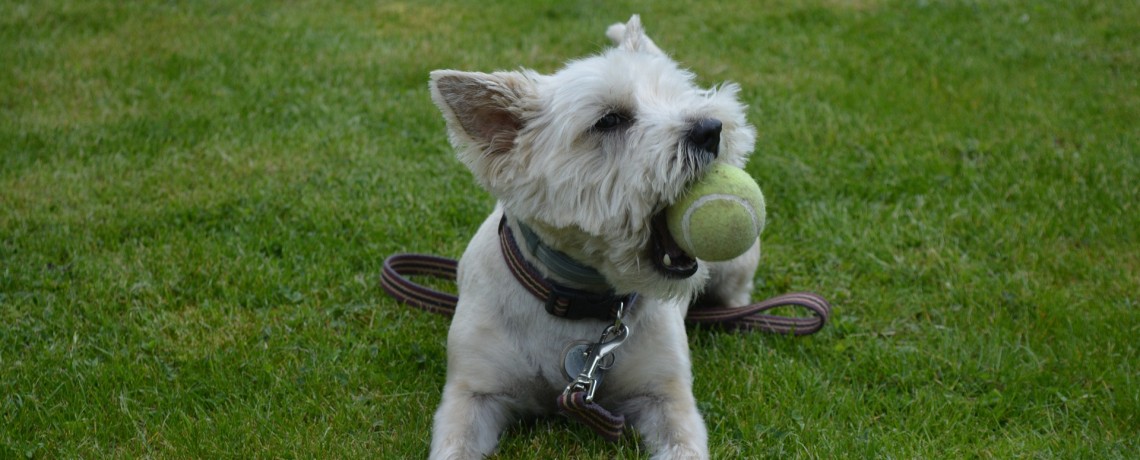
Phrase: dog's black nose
pixel 705 135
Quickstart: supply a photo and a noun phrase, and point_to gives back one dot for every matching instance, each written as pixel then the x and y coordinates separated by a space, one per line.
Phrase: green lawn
pixel 196 197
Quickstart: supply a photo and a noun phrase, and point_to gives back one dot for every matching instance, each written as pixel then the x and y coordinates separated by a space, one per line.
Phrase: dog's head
pixel 590 156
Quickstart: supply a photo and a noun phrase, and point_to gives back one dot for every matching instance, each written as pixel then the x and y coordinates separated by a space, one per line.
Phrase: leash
pixel 397 268
pixel 576 401
pixel 588 361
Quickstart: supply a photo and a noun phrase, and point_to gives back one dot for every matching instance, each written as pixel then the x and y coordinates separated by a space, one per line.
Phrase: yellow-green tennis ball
pixel 720 216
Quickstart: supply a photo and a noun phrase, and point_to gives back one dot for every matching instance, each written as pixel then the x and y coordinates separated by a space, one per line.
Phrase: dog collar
pixel 561 301
pixel 558 263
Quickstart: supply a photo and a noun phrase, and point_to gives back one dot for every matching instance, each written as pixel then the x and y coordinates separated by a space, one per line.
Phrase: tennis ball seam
pixel 695 205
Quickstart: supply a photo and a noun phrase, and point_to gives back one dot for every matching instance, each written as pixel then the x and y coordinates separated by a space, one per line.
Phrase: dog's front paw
pixel 456 454
pixel 669 423
pixel 679 453
pixel 467 425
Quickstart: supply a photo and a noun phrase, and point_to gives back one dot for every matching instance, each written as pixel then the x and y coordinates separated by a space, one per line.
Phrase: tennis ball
pixel 720 216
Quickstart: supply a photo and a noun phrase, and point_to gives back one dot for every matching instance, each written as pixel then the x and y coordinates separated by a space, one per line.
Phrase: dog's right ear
pixel 482 110
pixel 631 37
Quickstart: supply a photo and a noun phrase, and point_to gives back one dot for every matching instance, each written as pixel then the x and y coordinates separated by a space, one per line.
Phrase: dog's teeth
pixel 668 261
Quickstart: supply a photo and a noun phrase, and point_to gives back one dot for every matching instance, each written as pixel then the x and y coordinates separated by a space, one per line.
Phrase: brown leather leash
pixel 399 267
pixel 577 400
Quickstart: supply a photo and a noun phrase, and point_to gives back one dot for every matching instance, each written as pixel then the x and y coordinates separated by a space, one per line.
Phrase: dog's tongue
pixel 666 255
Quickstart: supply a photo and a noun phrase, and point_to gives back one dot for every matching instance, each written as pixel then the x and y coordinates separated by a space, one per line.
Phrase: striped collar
pixel 561 301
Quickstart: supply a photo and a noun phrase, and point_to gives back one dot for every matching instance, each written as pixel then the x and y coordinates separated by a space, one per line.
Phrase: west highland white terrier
pixel 582 163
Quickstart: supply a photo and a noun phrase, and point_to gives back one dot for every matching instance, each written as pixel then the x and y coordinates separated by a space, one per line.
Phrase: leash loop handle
pixel 394 280
pixel 753 318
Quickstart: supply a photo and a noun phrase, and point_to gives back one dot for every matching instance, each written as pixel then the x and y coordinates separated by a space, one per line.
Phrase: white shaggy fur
pixel 591 193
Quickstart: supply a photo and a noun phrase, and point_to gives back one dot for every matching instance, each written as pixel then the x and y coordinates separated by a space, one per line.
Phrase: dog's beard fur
pixel 533 141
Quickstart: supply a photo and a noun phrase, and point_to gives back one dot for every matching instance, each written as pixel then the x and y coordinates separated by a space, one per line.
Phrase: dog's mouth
pixel 669 258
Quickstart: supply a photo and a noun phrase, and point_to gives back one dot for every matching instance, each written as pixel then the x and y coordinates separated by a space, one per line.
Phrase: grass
pixel 196 197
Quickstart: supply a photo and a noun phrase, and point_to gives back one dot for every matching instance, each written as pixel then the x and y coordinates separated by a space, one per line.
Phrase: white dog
pixel 582 163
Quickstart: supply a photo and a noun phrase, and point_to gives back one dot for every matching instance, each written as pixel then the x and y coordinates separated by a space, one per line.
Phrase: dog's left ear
pixel 482 110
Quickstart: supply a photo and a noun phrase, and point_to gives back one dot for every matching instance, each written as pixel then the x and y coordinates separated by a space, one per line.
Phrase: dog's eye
pixel 610 121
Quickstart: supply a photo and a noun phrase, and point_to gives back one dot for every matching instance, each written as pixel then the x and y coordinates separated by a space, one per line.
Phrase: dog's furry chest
pixel 518 345
pixel 524 352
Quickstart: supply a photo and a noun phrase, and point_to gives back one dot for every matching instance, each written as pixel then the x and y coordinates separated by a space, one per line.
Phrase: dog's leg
pixel 669 423
pixel 468 424
pixel 730 282
pixel 658 377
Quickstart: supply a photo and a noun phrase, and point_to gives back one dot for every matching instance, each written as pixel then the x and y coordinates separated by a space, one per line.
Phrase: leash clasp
pixel 599 358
